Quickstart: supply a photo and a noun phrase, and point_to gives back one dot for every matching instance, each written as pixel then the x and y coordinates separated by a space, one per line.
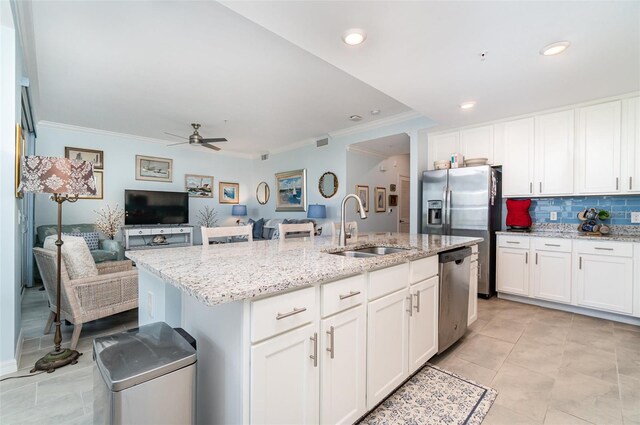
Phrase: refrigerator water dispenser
pixel 435 212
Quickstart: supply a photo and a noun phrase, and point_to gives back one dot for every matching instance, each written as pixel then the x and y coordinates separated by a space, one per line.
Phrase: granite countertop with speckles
pixel 236 271
pixel 576 235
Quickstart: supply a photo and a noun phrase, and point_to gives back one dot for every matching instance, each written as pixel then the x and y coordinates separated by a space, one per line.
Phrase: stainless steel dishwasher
pixel 454 296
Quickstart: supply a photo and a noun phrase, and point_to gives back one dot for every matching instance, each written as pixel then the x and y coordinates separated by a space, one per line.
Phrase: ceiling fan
pixel 197 139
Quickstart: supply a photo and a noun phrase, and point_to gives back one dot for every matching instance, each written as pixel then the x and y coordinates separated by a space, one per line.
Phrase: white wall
pixel 364 169
pixel 119 173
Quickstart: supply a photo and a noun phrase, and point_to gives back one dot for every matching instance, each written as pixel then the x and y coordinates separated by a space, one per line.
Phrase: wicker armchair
pixel 114 290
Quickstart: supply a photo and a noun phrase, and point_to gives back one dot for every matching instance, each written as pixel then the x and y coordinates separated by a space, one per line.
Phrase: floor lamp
pixel 65 179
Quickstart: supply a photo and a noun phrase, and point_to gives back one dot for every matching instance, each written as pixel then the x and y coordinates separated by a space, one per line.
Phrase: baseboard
pixel 572 309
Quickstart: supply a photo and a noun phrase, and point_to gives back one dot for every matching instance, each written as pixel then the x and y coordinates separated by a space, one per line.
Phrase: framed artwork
pixel 229 193
pixel 97 157
pixel 392 187
pixel 98 175
pixel 154 169
pixel 19 155
pixel 393 200
pixel 291 190
pixel 198 186
pixel 363 193
pixel 381 199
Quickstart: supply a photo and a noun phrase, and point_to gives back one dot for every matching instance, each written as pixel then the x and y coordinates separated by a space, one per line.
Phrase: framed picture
pixel 229 193
pixel 198 186
pixel 291 190
pixel 392 187
pixel 97 157
pixel 99 187
pixel 363 193
pixel 19 155
pixel 393 200
pixel 381 199
pixel 154 169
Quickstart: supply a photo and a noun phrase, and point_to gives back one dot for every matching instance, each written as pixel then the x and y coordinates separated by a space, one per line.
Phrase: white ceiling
pixel 397 144
pixel 143 68
pixel 426 54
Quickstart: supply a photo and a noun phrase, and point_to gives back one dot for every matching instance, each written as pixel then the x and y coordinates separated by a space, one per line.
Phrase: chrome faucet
pixel 343 230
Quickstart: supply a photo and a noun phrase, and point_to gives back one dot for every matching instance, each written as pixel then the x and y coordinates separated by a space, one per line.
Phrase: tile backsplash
pixel 620 208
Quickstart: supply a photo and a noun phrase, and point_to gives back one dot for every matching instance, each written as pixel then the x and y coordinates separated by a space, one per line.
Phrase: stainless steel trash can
pixel 144 376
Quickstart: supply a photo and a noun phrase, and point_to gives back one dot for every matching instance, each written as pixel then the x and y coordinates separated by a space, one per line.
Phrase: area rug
pixel 434 396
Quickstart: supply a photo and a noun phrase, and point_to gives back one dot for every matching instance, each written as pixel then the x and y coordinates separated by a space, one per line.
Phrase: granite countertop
pixel 238 271
pixel 576 235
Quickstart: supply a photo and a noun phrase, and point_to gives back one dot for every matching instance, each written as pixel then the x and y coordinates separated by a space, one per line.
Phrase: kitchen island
pixel 289 332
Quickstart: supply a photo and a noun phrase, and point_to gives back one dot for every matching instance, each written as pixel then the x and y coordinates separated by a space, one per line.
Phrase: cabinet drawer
pixel 161 231
pixel 618 249
pixel 552 244
pixel 135 232
pixel 179 230
pixel 342 294
pixel 386 281
pixel 423 268
pixel 513 241
pixel 272 316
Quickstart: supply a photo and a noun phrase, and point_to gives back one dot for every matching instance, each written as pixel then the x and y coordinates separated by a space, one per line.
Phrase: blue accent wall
pixel 568 208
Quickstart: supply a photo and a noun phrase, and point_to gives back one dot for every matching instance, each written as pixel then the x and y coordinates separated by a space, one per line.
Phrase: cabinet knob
pixel 139 232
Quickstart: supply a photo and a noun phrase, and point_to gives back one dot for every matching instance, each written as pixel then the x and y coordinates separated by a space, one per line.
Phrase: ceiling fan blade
pixel 175 135
pixel 175 144
pixel 215 140
pixel 215 148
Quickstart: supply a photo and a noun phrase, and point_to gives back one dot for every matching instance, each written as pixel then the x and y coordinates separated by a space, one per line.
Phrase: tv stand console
pixel 141 237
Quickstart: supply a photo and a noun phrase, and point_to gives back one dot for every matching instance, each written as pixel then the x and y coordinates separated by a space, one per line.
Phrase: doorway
pixel 404 215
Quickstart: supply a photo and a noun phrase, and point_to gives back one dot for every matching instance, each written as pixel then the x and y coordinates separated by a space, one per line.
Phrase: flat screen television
pixel 154 207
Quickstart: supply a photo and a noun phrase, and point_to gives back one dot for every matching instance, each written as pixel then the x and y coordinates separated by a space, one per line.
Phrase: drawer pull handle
pixel 513 242
pixel 139 232
pixel 417 306
pixel 291 313
pixel 536 258
pixel 580 264
pixel 349 295
pixel 603 249
pixel 526 258
pixel 331 348
pixel 552 244
pixel 410 310
pixel 314 356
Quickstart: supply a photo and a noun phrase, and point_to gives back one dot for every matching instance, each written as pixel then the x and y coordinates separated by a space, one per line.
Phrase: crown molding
pixel 366 151
pixel 383 122
pixel 70 127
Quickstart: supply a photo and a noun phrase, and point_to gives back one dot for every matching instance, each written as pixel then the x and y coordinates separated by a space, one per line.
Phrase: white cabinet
pixel 285 378
pixel 477 142
pixel 517 141
pixel 552 274
pixel 513 271
pixel 387 334
pixel 423 323
pixel 598 148
pixel 473 294
pixel 631 136
pixel 441 146
pixel 554 140
pixel 343 376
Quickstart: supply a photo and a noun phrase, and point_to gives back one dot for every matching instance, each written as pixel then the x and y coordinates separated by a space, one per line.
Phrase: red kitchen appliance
pixel 518 217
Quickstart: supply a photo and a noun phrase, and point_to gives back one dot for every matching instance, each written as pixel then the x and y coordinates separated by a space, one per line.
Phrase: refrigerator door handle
pixel 449 212
pixel 444 212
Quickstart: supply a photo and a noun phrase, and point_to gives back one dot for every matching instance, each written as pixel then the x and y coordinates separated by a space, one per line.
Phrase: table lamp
pixel 317 211
pixel 239 211
pixel 65 179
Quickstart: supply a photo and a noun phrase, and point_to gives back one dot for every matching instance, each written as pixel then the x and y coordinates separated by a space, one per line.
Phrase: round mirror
pixel 262 193
pixel 328 184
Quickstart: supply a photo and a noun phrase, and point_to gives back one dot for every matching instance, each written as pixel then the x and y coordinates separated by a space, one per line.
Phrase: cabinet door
pixel 477 143
pixel 605 282
pixel 598 148
pixel 423 323
pixel 441 146
pixel 473 294
pixel 285 379
pixel 343 376
pixel 387 332
pixel 554 142
pixel 517 167
pixel 552 276
pixel 513 271
pixel 631 130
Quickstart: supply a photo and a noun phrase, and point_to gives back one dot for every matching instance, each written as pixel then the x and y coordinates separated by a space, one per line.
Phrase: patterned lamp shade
pixel 44 174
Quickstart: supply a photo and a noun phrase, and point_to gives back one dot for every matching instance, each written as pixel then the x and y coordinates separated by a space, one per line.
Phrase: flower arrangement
pixel 109 220
pixel 207 217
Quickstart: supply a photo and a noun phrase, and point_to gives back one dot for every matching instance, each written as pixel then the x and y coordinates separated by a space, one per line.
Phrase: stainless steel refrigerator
pixel 466 202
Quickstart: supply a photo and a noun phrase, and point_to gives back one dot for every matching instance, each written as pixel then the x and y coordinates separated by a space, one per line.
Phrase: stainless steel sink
pixel 371 251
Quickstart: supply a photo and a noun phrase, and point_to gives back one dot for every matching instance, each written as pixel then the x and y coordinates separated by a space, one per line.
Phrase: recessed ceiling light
pixel 467 105
pixel 375 112
pixel 555 48
pixel 355 118
pixel 354 36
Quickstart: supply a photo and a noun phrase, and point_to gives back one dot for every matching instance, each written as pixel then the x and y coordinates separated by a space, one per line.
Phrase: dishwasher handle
pixel 456 255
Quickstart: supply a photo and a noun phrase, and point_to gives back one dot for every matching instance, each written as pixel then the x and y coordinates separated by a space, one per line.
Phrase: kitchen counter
pixel 576 235
pixel 223 273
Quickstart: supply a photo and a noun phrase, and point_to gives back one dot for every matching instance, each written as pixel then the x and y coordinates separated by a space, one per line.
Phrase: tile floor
pixel 549 367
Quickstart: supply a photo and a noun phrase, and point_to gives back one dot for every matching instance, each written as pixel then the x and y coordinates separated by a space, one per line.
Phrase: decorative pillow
pixel 258 226
pixel 91 238
pixel 75 254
